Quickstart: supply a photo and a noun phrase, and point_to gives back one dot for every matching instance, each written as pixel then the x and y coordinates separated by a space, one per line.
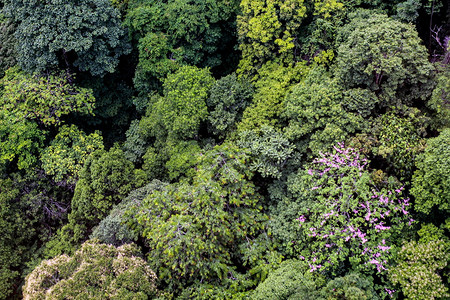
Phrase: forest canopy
pixel 212 149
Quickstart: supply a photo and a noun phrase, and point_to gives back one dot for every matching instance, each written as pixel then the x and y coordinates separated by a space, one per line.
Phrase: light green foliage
pixel 86 35
pixel 182 158
pixel 105 179
pixel 292 280
pixel 96 271
pixel 315 115
pixel 269 150
pixel 272 84
pixel 430 183
pixel 228 98
pixel 183 106
pixel 45 99
pixel 8 52
pixel 327 8
pixel 400 134
pixel 113 229
pixel 68 151
pixel 267 31
pixel 193 230
pixel 384 56
pixel 20 141
pixel 417 270
pixel 440 99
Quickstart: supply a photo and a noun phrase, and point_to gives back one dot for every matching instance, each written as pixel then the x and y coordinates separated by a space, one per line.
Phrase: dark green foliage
pixel 384 56
pixel 96 271
pixel 8 53
pixel 30 210
pixel 269 150
pixel 86 35
pixel 228 98
pixel 173 33
pixel 431 181
pixel 17 230
pixel 408 11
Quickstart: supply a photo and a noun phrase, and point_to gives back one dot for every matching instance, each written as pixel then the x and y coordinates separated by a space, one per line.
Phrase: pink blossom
pixel 384 248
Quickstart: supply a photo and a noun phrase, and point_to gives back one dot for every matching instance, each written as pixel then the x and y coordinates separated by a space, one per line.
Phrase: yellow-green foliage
pixel 96 271
pixel 45 99
pixel 272 84
pixel 267 30
pixel 68 151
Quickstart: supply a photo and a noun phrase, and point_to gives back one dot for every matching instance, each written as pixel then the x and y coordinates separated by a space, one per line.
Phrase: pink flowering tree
pixel 351 221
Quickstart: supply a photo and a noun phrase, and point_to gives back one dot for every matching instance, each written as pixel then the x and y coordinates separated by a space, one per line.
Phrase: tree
pixel 105 179
pixel 228 98
pixel 86 35
pixel 273 82
pixel 344 217
pixel 292 280
pixel 431 180
pixel 417 269
pixel 195 230
pixel 183 106
pixel 267 32
pixel 31 209
pixel 45 99
pixel 316 118
pixel 67 152
pixel 113 229
pixel 17 232
pixel 173 33
pixel 400 134
pixel 384 56
pixel 96 271
pixel 269 150
pixel 20 141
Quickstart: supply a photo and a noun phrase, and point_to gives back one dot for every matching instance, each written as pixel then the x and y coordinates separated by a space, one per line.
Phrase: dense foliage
pixel 224 149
